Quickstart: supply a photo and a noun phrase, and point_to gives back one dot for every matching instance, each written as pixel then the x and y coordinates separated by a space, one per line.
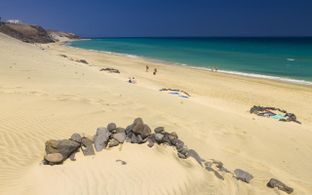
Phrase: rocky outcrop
pixel 62 36
pixel 26 32
pixel 33 33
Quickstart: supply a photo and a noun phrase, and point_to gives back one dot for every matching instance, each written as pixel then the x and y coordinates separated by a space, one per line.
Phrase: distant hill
pixel 61 36
pixel 33 33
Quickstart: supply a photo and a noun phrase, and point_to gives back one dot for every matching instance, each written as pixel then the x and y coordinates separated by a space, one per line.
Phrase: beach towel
pixel 278 116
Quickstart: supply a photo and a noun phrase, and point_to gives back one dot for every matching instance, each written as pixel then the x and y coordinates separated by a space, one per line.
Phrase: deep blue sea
pixel 279 58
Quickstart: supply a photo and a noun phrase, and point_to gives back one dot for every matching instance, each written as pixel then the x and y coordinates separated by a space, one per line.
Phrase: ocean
pixel 288 59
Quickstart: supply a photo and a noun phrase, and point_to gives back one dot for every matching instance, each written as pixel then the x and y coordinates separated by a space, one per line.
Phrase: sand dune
pixel 46 96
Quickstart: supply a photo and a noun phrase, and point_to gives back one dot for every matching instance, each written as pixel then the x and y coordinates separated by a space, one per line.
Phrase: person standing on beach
pixel 147 68
pixel 155 71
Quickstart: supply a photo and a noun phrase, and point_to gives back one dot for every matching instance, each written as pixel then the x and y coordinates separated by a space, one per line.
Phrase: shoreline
pixel 229 72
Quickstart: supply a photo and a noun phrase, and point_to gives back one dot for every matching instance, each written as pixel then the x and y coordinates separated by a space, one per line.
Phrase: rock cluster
pixel 268 111
pixel 176 90
pixel 110 70
pixel 139 133
pixel 57 151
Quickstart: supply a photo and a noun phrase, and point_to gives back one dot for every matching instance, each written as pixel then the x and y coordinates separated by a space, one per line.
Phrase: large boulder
pixel 65 147
pixel 139 128
pixel 101 138
pixel 279 185
pixel 62 147
pixel 242 175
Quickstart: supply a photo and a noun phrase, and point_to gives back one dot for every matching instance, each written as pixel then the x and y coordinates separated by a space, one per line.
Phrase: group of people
pixel 214 69
pixel 147 69
pixel 133 80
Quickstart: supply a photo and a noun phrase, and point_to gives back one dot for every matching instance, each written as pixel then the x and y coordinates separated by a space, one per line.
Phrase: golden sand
pixel 46 96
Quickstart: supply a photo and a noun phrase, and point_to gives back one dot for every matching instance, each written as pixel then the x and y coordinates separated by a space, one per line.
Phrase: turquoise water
pixel 288 58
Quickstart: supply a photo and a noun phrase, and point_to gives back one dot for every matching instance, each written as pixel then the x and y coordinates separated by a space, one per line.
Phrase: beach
pixel 46 93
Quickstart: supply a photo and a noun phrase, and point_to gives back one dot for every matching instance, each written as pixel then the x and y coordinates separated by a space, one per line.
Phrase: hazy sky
pixel 166 17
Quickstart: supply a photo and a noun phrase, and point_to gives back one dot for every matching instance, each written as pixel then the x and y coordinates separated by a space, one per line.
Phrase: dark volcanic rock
pixel 87 146
pixel 101 138
pixel 179 144
pixel 159 130
pixel 140 139
pixel 120 130
pixel 150 142
pixel 110 70
pixel 139 128
pixel 183 156
pixel 242 175
pixel 184 152
pixel 138 125
pixel 76 137
pixel 134 139
pixel 72 157
pixel 83 61
pixel 173 135
pixel 280 185
pixel 120 137
pixel 111 127
pixel 159 137
pixel 64 147
pixel 113 142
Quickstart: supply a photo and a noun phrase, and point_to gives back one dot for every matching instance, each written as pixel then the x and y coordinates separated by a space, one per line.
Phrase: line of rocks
pixel 57 151
pixel 260 110
pixel 175 90
pixel 110 70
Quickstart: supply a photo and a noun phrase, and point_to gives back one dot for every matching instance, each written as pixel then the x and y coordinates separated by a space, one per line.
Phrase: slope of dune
pixel 46 96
